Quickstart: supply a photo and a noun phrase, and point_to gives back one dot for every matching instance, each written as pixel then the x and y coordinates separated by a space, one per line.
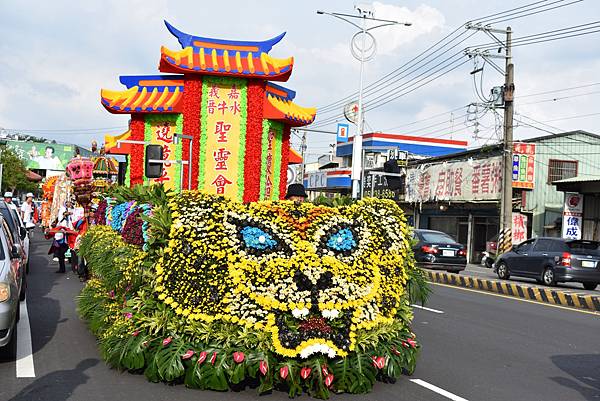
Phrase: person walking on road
pixel 28 212
pixel 59 247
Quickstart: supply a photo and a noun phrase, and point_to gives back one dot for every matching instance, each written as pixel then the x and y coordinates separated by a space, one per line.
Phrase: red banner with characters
pixel 161 130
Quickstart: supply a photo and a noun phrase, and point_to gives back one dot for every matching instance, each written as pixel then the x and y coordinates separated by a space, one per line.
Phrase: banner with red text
pixel 223 144
pixel 459 181
pixel 161 130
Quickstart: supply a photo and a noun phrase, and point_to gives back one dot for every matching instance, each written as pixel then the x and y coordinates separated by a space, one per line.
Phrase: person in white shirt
pixel 65 215
pixel 27 211
pixel 8 199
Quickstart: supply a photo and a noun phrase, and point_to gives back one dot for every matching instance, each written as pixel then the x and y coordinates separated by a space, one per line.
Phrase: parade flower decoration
pixel 223 294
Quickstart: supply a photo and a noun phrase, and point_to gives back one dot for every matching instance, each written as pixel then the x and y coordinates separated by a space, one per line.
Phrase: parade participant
pixel 59 247
pixel 296 192
pixel 65 215
pixel 8 199
pixel 28 212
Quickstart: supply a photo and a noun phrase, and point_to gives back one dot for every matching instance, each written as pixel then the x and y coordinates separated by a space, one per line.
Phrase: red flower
pixel 324 370
pixel 166 341
pixel 135 333
pixel 263 367
pixel 238 357
pixel 329 380
pixel 202 357
pixel 213 358
pixel 378 362
pixel 284 371
pixel 412 342
pixel 188 354
pixel 305 372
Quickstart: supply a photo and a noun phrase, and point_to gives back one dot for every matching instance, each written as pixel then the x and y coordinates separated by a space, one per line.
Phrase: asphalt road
pixel 482 347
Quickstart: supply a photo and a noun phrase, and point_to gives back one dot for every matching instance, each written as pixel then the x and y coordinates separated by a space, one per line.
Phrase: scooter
pixel 487 259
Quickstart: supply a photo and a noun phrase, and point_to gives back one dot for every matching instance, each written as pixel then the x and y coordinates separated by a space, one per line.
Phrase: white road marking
pixel 438 390
pixel 24 349
pixel 427 309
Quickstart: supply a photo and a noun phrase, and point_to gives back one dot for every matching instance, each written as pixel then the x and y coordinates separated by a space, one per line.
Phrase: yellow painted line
pixel 517 299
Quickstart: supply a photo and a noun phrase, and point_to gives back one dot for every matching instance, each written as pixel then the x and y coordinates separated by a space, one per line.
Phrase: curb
pixel 543 295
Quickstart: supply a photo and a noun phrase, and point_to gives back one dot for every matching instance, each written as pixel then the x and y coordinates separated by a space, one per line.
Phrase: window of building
pixel 561 169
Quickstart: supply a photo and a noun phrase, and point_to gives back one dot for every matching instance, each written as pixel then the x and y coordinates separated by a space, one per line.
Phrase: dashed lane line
pixel 427 309
pixel 24 362
pixel 438 390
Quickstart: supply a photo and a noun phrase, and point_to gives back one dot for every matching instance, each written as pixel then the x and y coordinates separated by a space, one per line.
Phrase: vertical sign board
pixel 271 160
pixel 161 130
pixel 519 228
pixel 223 140
pixel 342 132
pixel 572 216
pixel 523 174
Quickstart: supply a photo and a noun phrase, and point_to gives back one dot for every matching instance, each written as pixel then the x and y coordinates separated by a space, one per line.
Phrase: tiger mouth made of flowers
pixel 310 276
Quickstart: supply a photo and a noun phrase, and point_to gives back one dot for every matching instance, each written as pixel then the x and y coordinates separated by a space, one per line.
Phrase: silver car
pixel 12 291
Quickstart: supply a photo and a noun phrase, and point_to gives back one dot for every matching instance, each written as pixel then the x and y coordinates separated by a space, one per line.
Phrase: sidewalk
pixel 481 278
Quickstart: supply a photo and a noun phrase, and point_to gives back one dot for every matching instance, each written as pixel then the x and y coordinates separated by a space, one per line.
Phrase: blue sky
pixel 57 55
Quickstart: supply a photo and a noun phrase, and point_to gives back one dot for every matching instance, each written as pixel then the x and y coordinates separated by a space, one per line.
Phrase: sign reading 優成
pixel 523 175
pixel 161 130
pixel 470 180
pixel 572 216
pixel 223 136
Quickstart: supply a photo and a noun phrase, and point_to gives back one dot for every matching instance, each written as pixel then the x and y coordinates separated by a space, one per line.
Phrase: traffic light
pixel 154 152
pixel 391 166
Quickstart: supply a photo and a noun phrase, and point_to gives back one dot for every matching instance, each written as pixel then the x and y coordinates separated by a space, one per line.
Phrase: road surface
pixel 476 346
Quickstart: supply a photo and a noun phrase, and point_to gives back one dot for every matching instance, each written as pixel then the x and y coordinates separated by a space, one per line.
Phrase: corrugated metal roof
pixel 579 178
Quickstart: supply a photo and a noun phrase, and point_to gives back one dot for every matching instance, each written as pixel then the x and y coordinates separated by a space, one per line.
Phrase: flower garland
pixel 277 158
pixel 192 102
pixel 136 158
pixel 254 133
pixel 285 158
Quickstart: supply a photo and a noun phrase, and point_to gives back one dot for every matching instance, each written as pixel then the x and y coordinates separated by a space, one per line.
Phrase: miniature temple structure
pixel 217 114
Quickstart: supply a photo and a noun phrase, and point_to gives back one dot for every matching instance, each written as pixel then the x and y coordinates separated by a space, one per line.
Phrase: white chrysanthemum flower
pixel 299 313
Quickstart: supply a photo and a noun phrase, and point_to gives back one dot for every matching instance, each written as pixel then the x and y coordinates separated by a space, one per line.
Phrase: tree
pixel 14 173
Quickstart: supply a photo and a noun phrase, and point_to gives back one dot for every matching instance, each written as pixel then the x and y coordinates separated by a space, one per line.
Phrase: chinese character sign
pixel 223 133
pixel 523 173
pixel 572 216
pixel 161 130
pixel 472 180
pixel 519 228
pixel 271 161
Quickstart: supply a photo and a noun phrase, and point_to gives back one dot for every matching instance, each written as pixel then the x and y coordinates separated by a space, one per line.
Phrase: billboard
pixel 460 181
pixel 43 156
pixel 572 216
pixel 523 173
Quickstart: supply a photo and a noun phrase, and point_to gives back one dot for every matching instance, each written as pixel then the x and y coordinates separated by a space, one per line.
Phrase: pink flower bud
pixel 263 367
pixel 213 358
pixel 238 357
pixel 329 380
pixel 202 357
pixel 166 341
pixel 284 371
pixel 188 354
pixel 305 372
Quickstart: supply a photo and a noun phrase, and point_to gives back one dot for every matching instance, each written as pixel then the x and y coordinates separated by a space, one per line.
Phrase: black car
pixel 553 260
pixel 437 250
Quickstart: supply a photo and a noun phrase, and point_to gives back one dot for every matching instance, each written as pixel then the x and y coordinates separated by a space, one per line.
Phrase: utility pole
pixel 505 237
pixel 506 203
pixel 363 52
pixel 303 155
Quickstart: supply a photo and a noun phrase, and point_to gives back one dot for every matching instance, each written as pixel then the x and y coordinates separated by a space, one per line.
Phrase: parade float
pixel 224 285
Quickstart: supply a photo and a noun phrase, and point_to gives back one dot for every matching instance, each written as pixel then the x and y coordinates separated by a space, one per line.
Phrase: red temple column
pixel 254 129
pixel 285 158
pixel 136 159
pixel 192 103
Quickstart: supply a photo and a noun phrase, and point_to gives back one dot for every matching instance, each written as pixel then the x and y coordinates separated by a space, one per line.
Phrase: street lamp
pixel 362 53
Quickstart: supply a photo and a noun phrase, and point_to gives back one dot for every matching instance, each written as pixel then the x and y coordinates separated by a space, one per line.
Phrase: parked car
pixel 438 250
pixel 12 291
pixel 553 260
pixel 18 231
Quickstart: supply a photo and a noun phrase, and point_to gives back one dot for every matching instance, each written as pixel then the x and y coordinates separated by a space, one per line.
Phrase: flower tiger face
pixel 310 275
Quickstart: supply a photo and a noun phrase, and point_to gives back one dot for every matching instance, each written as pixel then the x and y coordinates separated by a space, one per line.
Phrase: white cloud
pixel 425 19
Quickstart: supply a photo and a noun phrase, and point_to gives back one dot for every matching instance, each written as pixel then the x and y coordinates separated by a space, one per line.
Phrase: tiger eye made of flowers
pixel 311 276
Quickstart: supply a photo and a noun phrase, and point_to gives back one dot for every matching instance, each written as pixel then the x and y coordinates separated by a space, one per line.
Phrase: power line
pixel 382 81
